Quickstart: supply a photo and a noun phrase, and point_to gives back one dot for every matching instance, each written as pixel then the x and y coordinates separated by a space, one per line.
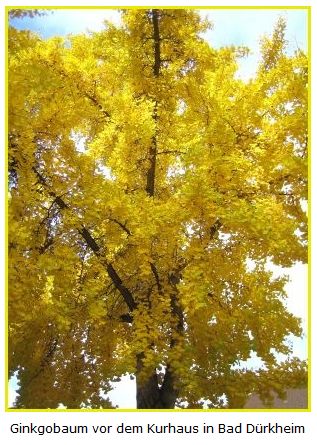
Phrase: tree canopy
pixel 148 187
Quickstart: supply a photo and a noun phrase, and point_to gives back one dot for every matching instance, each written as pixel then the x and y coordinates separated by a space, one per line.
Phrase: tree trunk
pixel 151 395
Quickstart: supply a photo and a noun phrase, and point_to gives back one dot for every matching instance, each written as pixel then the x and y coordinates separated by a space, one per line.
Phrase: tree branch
pixel 214 228
pixel 150 178
pixel 157 278
pixel 91 242
pixel 123 226
pixel 171 152
pixel 98 105
pixel 156 37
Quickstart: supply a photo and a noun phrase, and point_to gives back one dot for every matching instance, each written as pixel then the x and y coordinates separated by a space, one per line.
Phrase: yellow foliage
pixel 143 178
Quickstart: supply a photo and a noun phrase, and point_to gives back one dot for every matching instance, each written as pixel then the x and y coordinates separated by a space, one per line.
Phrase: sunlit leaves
pixel 230 190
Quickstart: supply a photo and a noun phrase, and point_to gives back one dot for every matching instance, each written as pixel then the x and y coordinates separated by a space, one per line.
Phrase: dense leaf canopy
pixel 148 187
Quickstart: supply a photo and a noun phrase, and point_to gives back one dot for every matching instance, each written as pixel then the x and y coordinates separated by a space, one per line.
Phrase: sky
pixel 230 27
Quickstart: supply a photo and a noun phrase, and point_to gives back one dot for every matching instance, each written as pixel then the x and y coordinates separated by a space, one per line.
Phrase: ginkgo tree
pixel 148 188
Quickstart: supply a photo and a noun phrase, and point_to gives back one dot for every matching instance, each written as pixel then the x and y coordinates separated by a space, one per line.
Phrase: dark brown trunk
pixel 150 179
pixel 151 395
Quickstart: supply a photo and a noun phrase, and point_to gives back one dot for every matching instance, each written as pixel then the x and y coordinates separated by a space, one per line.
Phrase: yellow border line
pixel 157 7
pixel 176 410
pixel 272 410
pixel 309 313
pixel 6 260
